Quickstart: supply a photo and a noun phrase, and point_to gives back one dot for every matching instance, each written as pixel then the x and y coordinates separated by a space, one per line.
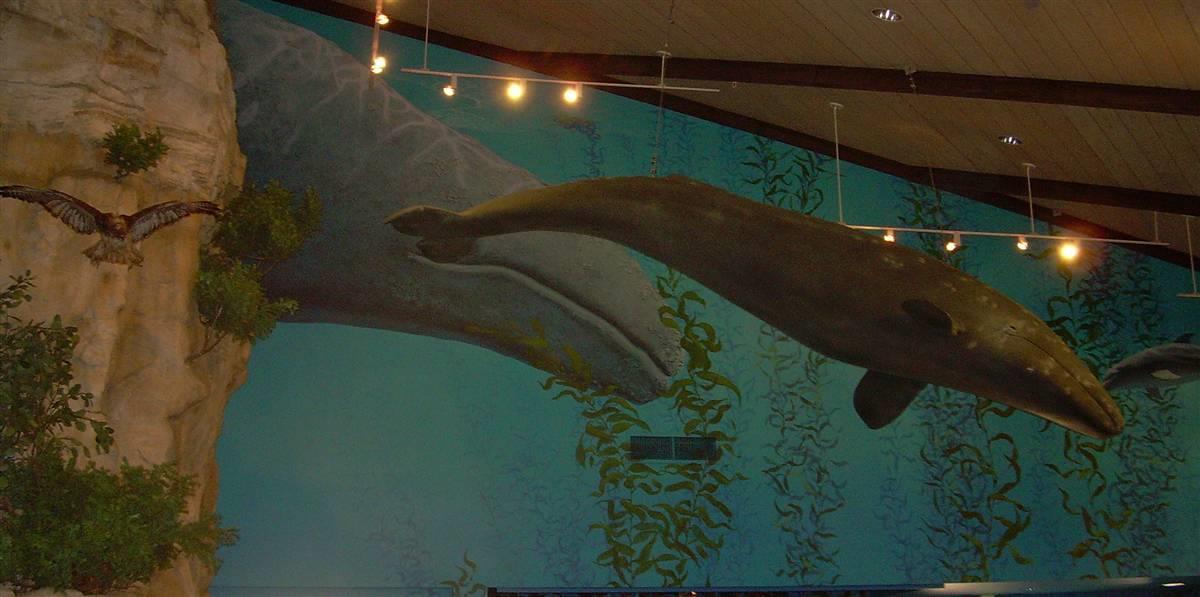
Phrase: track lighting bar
pixel 1016 235
pixel 448 74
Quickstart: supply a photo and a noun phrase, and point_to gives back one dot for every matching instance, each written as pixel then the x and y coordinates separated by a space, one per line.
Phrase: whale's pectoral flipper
pixel 931 315
pixel 880 398
pixel 421 220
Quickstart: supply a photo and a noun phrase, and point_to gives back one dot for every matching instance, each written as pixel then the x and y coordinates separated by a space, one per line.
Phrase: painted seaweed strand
pixel 970 476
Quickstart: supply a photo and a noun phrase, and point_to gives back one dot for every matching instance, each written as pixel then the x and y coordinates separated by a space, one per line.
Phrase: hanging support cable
pixel 837 160
pixel 1029 195
pixel 658 131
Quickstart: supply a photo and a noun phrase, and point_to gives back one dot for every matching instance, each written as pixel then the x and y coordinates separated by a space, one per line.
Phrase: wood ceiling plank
pixel 1181 40
pixel 1109 32
pixel 944 36
pixel 1081 43
pixel 1036 36
pixel 737 29
pixel 1117 148
pixel 1154 50
pixel 972 18
pixel 1097 142
pixel 1165 170
pixel 869 41
pixel 1047 131
pixel 805 40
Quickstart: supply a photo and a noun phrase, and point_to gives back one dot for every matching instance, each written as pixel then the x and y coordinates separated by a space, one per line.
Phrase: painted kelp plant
pixel 970 477
pixel 1104 309
pixel 802 471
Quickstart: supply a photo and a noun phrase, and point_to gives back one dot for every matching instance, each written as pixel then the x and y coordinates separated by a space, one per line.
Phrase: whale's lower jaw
pixel 505 311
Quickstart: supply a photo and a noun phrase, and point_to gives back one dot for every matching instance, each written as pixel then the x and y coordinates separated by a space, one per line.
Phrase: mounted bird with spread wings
pixel 119 233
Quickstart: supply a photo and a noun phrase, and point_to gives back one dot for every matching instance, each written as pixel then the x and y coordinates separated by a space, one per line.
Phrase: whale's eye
pixel 1010 329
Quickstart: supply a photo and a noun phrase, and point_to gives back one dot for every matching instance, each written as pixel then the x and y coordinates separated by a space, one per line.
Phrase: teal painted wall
pixel 356 457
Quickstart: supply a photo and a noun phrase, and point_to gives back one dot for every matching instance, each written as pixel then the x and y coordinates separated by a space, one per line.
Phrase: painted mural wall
pixel 389 453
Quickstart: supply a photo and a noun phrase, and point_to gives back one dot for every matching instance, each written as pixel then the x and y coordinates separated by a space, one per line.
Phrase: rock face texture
pixel 309 115
pixel 69 70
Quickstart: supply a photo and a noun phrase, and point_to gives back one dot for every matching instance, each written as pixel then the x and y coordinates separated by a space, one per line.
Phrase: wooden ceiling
pixel 1105 94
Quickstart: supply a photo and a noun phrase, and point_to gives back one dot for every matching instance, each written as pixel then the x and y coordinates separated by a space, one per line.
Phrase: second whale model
pixel 907 318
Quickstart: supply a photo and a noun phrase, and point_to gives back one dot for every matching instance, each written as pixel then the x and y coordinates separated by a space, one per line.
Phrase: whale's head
pixel 997 349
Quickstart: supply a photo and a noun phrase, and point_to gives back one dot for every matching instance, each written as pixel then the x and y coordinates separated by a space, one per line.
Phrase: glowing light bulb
pixel 889 236
pixel 452 87
pixel 572 93
pixel 378 64
pixel 382 19
pixel 953 244
pixel 515 90
pixel 1022 244
pixel 1068 251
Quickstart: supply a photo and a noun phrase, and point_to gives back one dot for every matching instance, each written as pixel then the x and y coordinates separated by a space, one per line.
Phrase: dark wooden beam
pixel 968 184
pixel 1138 98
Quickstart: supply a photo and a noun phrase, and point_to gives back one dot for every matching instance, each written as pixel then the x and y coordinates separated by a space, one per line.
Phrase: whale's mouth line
pixel 627 341
pixel 1112 421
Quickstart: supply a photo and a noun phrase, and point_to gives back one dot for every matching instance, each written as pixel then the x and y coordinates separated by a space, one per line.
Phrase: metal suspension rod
pixel 837 160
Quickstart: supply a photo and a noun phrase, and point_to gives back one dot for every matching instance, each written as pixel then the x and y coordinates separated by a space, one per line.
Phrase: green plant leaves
pixel 130 151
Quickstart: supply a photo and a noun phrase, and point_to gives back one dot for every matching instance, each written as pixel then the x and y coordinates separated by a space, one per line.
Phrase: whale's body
pixel 1171 364
pixel 907 318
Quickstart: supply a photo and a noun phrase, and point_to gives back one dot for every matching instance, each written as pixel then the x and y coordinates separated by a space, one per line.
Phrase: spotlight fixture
pixel 1068 251
pixel 378 64
pixel 572 93
pixel 889 235
pixel 1010 139
pixel 452 87
pixel 886 15
pixel 1022 243
pixel 382 19
pixel 953 244
pixel 515 90
pixel 1172 584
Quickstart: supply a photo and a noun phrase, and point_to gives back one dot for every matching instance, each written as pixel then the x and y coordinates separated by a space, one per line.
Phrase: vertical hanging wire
pixel 425 60
pixel 1187 222
pixel 375 32
pixel 662 82
pixel 1156 227
pixel 658 131
pixel 1029 195
pixel 837 161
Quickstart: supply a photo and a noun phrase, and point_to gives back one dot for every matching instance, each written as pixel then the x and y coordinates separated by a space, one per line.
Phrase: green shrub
pixel 232 301
pixel 96 531
pixel 63 525
pixel 131 151
pixel 259 230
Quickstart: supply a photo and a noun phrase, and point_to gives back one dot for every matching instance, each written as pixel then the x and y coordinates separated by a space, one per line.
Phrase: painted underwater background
pixel 362 458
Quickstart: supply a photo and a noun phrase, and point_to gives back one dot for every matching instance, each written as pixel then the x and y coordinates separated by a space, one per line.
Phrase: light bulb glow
pixel 886 15
pixel 953 244
pixel 515 90
pixel 572 93
pixel 889 236
pixel 1068 251
pixel 382 19
pixel 378 64
pixel 1022 244
pixel 452 87
pixel 1172 584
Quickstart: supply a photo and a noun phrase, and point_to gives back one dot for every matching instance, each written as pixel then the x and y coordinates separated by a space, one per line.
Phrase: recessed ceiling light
pixel 1010 140
pixel 886 14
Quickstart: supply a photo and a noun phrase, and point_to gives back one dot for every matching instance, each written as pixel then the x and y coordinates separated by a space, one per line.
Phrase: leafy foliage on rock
pixel 131 151
pixel 63 525
pixel 259 230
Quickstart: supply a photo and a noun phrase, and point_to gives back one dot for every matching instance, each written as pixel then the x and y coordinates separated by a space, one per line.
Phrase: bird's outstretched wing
pixel 80 216
pixel 146 221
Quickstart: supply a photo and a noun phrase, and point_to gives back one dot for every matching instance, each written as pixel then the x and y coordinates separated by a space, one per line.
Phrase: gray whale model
pixel 309 116
pixel 909 319
pixel 1171 364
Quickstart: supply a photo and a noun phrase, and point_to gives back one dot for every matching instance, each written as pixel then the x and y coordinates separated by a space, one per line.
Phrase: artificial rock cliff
pixel 69 70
